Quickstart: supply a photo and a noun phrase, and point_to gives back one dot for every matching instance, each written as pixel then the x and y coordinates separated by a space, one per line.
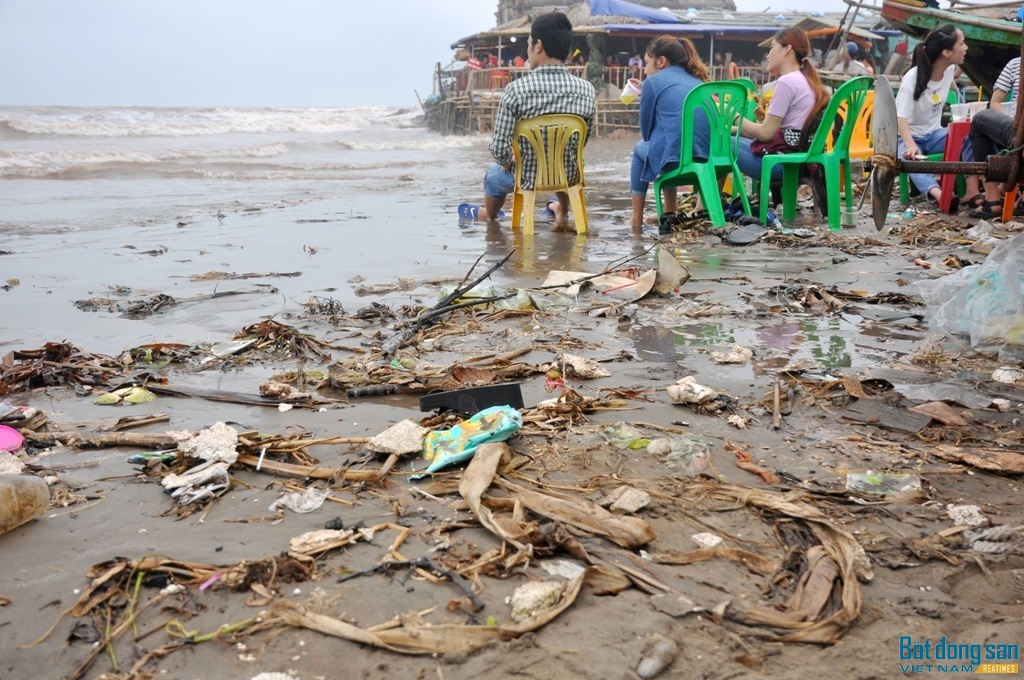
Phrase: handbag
pixel 785 140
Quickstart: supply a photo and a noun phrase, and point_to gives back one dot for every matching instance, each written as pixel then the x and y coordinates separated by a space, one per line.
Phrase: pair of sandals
pixel 990 210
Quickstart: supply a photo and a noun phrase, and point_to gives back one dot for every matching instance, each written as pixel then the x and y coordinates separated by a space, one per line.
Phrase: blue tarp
pixel 631 9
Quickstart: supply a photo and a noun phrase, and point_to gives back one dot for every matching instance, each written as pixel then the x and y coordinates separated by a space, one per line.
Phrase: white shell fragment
pixel 530 598
pixel 688 391
pixel 216 443
pixel 737 355
pixel 737 420
pixel 581 367
pixel 404 437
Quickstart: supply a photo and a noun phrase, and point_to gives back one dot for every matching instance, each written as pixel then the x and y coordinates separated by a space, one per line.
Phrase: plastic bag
pixel 444 447
pixel 984 302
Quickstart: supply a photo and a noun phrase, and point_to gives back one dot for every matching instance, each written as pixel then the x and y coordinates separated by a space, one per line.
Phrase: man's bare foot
pixel 561 219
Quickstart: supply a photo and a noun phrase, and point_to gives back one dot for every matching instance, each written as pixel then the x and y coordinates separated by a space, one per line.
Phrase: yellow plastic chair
pixel 548 136
pixel 861 144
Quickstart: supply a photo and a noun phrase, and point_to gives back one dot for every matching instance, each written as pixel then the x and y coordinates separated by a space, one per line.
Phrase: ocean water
pixel 79 168
pixel 138 201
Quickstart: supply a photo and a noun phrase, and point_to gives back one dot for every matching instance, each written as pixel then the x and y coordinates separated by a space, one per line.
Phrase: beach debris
pixel 706 539
pixel 939 411
pixel 482 472
pixel 688 391
pixel 128 395
pixel 277 338
pixel 745 461
pixel 401 438
pixel 1001 540
pixel 671 274
pixel 10 439
pixel 687 454
pixel 737 355
pixel 22 498
pixel 997 460
pixel 1009 375
pixel 10 464
pixel 737 421
pixel 281 392
pixel 55 364
pixel 674 604
pixel 302 502
pixel 626 500
pixel 966 514
pixel 622 435
pixel 882 483
pixel 580 367
pixel 217 443
pixel 533 597
pixel 472 399
pixel 657 658
pixel 447 447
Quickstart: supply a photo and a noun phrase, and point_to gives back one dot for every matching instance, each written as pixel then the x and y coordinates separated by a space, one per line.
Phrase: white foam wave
pixel 425 143
pixel 56 162
pixel 178 122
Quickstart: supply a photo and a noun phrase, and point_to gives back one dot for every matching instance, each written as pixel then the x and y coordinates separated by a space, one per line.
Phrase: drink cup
pixel 961 112
pixel 631 91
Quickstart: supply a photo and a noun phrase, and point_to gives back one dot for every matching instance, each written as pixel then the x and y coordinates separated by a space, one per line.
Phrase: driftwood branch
pixel 426 319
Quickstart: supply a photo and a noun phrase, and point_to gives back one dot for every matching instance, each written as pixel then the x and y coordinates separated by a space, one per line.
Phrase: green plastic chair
pixel 721 102
pixel 952 97
pixel 835 162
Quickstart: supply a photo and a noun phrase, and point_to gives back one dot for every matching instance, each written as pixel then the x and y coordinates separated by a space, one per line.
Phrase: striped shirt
pixel 545 90
pixel 1008 78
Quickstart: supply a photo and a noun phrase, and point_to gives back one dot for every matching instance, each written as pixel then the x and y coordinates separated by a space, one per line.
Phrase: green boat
pixel 991 41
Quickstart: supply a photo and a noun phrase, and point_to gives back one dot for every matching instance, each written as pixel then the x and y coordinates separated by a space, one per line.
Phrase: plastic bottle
pixel 22 497
pixel 660 657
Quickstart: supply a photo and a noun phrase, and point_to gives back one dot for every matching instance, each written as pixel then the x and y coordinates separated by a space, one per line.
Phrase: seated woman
pixel 991 131
pixel 673 69
pixel 797 96
pixel 923 91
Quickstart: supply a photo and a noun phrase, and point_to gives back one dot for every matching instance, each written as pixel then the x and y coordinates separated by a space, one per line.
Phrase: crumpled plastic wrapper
pixel 404 437
pixel 301 501
pixel 535 596
pixel 688 391
pixel 216 443
pixel 10 464
pixel 199 482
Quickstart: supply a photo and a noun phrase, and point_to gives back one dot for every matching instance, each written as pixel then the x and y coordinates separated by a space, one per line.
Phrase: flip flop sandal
pixel 667 223
pixel 989 210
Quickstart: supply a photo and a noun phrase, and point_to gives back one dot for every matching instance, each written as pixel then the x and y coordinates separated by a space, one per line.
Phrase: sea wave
pixel 45 163
pixel 184 122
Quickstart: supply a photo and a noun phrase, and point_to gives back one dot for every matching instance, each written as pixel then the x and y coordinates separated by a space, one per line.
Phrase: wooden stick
pixel 99 440
pixel 777 416
pixel 309 471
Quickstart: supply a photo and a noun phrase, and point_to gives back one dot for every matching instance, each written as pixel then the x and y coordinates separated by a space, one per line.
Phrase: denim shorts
pixel 498 182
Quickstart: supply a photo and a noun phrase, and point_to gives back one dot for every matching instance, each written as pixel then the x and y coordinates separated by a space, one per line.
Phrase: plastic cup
pixel 961 112
pixel 631 91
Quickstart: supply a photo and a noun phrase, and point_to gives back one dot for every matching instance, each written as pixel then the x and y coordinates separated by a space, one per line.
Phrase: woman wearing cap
pixel 673 69
pixel 797 96
pixel 922 94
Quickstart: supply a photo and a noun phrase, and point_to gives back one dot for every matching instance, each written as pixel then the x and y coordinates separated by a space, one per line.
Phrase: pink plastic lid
pixel 10 439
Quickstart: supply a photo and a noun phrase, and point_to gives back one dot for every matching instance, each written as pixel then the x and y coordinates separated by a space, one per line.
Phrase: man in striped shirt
pixel 991 131
pixel 549 88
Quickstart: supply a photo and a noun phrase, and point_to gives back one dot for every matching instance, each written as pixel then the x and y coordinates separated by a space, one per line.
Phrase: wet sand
pixel 382 235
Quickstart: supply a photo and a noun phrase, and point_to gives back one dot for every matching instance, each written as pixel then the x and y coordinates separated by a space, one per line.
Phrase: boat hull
pixel 990 42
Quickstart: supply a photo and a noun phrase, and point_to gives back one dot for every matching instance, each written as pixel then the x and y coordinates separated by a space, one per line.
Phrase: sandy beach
pixel 366 217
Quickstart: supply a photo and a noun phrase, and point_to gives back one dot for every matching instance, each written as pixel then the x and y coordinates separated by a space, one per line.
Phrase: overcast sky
pixel 242 53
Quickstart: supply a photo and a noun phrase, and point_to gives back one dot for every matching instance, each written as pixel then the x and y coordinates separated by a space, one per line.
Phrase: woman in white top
pixel 922 94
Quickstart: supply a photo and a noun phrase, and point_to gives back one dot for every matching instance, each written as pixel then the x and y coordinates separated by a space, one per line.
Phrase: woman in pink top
pixel 798 96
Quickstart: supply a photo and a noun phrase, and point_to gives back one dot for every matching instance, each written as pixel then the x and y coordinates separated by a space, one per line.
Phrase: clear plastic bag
pixel 984 302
